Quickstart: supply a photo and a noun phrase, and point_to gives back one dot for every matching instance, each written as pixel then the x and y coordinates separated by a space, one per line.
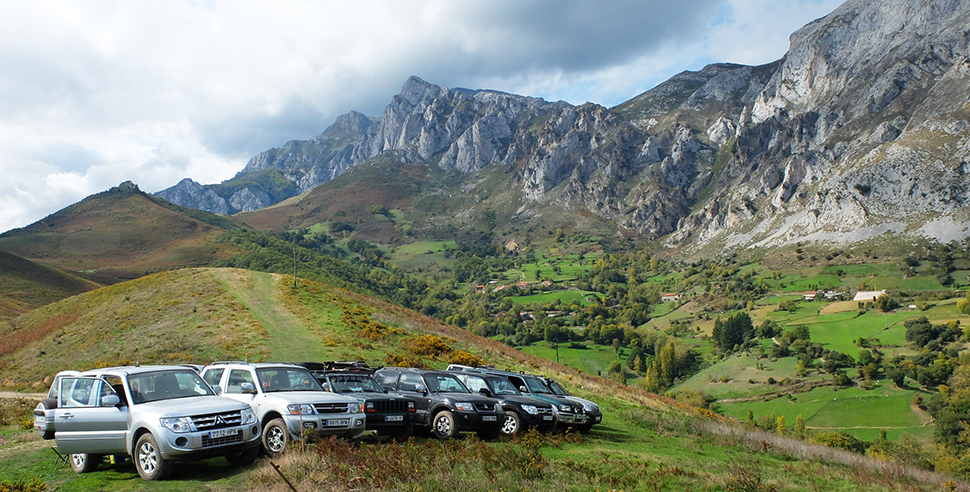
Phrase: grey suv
pixel 155 414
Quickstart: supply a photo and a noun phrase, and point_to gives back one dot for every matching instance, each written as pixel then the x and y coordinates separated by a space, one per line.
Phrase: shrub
pixel 466 359
pixel 428 345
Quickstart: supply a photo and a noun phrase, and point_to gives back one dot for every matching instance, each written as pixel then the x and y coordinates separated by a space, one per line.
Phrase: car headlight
pixel 589 407
pixel 353 408
pixel 410 406
pixel 465 407
pixel 565 408
pixel 530 409
pixel 369 407
pixel 178 424
pixel 301 409
pixel 248 416
pixel 498 407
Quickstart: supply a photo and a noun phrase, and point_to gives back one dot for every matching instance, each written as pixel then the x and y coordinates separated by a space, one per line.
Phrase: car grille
pixel 217 420
pixel 330 407
pixel 208 442
pixel 386 406
pixel 485 407
pixel 544 410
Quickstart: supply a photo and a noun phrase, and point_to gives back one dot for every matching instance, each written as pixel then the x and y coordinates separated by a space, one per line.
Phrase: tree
pixel 920 331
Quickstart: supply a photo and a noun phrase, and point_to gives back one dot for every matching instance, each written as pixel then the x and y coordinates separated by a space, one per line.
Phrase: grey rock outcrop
pixel 188 193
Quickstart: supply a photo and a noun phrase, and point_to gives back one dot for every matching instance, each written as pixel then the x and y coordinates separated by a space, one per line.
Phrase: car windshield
pixel 274 379
pixel 166 385
pixel 444 383
pixel 354 384
pixel 503 387
pixel 558 389
pixel 536 386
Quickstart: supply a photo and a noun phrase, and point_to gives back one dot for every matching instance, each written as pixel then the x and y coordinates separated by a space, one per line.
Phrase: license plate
pixel 547 417
pixel 338 422
pixel 223 433
pixel 394 418
pixel 489 418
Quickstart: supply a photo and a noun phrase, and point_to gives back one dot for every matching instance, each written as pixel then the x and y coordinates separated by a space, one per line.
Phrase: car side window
pixel 387 380
pixel 475 384
pixel 410 382
pixel 213 376
pixel 236 379
pixel 79 393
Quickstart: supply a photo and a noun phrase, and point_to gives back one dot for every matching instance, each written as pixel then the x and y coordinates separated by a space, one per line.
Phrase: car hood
pixel 307 397
pixel 193 405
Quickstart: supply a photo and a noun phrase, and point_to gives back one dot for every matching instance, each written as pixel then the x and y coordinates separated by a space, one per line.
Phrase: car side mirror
pixel 110 401
pixel 326 387
pixel 523 389
pixel 420 389
pixel 217 389
pixel 486 392
pixel 248 388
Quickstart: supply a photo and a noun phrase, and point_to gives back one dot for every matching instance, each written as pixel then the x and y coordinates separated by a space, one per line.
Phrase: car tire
pixel 148 459
pixel 47 404
pixel 402 434
pixel 444 425
pixel 84 463
pixel 275 438
pixel 585 428
pixel 243 457
pixel 512 424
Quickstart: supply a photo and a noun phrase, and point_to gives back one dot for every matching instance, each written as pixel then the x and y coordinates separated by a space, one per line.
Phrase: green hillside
pixel 25 285
pixel 198 315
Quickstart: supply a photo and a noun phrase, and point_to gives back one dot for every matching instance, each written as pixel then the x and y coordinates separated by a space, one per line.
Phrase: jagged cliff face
pixel 862 128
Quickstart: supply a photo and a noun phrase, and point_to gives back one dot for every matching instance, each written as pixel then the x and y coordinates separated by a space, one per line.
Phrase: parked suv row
pixel 571 411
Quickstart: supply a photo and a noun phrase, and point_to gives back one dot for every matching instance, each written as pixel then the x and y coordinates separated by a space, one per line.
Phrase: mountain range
pixel 863 128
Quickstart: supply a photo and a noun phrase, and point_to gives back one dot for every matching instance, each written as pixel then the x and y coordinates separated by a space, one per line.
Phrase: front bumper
pixel 199 444
pixel 479 421
pixel 326 424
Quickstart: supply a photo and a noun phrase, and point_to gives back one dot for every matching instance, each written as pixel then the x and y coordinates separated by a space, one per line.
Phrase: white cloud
pixel 97 92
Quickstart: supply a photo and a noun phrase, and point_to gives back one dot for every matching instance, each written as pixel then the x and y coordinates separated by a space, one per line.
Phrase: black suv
pixel 593 413
pixel 521 412
pixel 444 405
pixel 388 415
pixel 568 413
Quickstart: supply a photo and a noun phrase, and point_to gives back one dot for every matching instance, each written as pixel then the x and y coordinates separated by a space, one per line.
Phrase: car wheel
pixel 275 437
pixel 243 457
pixel 85 463
pixel 512 424
pixel 148 459
pixel 444 425
pixel 585 428
pixel 43 406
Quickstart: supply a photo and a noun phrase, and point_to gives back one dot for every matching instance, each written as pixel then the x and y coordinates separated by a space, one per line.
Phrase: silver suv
pixel 155 414
pixel 287 400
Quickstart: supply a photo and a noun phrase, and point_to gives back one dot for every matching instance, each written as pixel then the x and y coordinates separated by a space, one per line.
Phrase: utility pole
pixel 294 262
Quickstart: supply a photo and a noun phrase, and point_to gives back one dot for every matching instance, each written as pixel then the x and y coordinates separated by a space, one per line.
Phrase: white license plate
pixel 394 418
pixel 223 433
pixel 489 418
pixel 547 417
pixel 338 422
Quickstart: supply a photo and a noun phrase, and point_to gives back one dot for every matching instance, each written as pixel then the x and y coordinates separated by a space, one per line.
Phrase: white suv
pixel 287 400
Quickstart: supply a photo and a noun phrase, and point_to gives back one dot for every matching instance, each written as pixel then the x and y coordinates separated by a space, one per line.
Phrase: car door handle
pixel 66 416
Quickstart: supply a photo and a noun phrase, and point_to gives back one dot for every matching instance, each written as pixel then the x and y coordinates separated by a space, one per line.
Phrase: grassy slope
pixel 202 314
pixel 25 285
pixel 120 234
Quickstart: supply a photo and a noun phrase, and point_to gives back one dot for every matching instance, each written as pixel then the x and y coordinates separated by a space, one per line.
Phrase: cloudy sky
pixel 94 93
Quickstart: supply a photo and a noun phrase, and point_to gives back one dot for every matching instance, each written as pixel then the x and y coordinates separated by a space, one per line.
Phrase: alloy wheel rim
pixel 147 458
pixel 509 426
pixel 275 438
